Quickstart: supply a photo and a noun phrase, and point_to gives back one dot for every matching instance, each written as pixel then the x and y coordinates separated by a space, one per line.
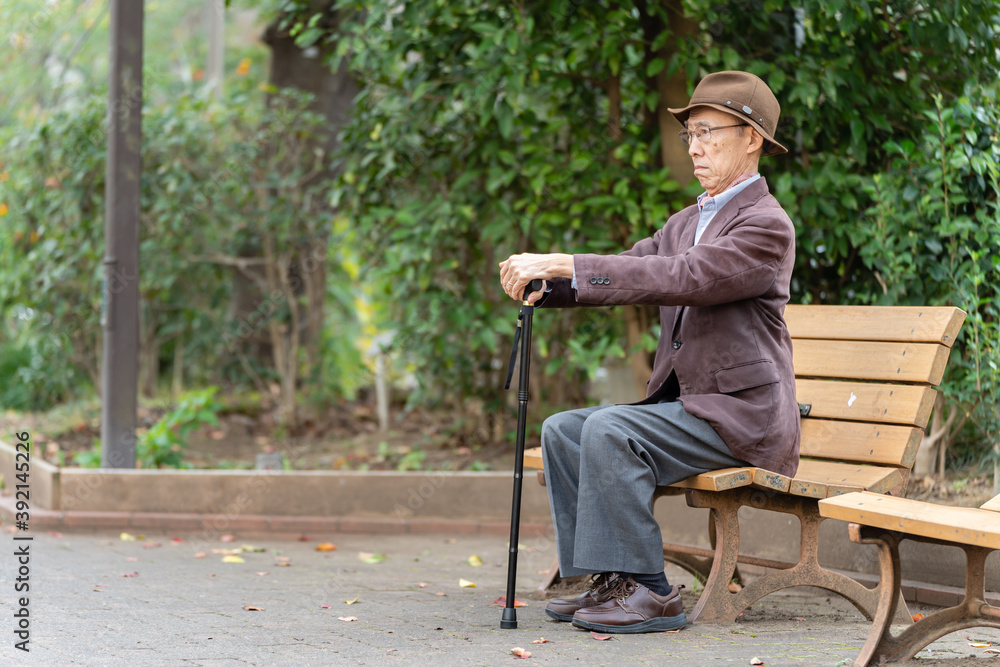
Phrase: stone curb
pixel 259 524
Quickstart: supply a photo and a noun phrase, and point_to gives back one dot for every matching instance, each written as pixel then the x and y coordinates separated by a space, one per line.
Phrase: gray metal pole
pixel 120 312
pixel 216 50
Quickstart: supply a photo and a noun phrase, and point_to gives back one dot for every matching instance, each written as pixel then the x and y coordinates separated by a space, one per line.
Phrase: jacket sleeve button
pixel 593 281
pixel 677 345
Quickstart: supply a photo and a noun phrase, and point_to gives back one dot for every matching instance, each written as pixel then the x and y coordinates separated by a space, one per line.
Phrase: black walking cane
pixel 522 333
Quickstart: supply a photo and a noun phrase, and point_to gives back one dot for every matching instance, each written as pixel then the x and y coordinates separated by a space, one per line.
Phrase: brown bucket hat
pixel 739 94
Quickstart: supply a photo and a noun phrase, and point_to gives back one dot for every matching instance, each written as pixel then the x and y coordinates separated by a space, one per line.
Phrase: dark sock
pixel 654 582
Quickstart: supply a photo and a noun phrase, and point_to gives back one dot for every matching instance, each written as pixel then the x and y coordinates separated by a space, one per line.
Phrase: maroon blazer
pixel 721 315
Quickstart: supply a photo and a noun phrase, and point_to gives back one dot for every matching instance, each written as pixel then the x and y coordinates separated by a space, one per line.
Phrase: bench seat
pixel 816 478
pixel 885 521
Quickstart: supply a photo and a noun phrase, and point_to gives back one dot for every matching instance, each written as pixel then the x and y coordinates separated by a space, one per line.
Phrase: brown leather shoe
pixel 601 586
pixel 633 608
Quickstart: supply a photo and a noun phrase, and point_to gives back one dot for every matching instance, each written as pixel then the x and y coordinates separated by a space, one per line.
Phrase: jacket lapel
pixel 749 196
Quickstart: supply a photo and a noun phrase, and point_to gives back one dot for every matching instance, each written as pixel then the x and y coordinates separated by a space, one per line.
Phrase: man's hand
pixel 518 270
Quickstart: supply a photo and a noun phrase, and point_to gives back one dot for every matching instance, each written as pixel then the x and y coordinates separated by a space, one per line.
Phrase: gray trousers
pixel 602 466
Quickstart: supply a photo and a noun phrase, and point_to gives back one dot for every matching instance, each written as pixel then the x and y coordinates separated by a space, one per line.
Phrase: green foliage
pixel 932 236
pixel 220 182
pixel 163 445
pixel 484 132
pixel 26 346
pixel 90 458
pixel 503 150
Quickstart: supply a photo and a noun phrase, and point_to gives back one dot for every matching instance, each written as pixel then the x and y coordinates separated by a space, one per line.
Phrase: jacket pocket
pixel 746 376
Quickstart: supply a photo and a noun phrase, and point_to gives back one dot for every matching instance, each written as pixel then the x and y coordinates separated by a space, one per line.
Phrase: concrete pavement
pixel 95 599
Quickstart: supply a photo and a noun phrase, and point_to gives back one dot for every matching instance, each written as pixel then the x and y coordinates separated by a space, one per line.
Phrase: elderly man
pixel 722 392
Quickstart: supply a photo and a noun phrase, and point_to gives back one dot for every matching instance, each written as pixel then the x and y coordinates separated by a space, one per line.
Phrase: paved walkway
pixel 98 600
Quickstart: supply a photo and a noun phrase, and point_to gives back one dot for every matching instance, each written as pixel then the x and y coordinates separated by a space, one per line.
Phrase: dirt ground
pixel 347 437
pixel 344 437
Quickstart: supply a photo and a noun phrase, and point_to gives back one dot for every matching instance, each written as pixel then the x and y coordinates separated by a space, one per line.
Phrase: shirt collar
pixel 723 198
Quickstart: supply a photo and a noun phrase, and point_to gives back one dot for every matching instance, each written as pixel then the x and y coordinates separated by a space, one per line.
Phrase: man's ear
pixel 756 141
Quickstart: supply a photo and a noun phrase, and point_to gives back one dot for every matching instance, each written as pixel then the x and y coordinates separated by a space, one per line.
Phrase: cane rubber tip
pixel 509 620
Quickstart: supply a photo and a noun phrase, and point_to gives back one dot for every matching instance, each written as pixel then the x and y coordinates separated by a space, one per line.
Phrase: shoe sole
pixel 559 617
pixel 661 624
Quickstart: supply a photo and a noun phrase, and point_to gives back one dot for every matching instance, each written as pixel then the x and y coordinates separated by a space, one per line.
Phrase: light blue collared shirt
pixel 709 206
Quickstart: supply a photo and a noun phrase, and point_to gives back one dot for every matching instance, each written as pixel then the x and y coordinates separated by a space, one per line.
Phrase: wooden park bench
pixel 864 381
pixel 886 521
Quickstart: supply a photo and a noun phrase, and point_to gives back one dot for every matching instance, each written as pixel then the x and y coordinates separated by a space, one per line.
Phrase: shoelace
pixel 623 589
pixel 601 581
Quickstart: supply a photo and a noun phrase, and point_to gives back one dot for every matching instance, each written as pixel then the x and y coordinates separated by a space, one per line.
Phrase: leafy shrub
pixel 163 445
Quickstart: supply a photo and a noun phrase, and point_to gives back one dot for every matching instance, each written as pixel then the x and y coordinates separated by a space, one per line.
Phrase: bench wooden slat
pixel 965 525
pixel 766 479
pixel 860 442
pixel 533 458
pixel 882 362
pixel 993 504
pixel 877 323
pixel 821 479
pixel 860 401
pixel 718 480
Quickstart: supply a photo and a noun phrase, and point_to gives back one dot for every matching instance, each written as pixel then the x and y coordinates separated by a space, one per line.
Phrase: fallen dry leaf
pixel 283 564
pixel 734 587
pixel 305 538
pixel 249 548
pixel 326 546
pixel 917 617
pixel 543 640
pixel 421 585
pixel 370 558
pixel 131 574
pixel 152 545
pixel 127 537
pixel 227 538
pixel 991 650
pixel 756 661
pixel 466 584
pixel 474 560
pixel 251 608
pixel 232 559
pixel 798 618
pixel 599 637
pixel 440 594
pixel 282 559
pixel 347 618
pixel 520 652
pixel 502 601
pixel 263 573
pixel 176 540
pixel 224 552
pixel 55 534
pixel 352 601
pixel 132 559
pixel 325 606
pixel 201 554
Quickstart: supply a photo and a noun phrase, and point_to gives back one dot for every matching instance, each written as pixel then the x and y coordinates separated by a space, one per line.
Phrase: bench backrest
pixel 868 374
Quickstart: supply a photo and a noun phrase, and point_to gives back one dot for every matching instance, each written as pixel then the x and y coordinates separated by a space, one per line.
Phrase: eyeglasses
pixel 703 134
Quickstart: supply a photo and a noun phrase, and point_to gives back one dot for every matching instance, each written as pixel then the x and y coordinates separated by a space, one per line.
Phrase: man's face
pixel 720 160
